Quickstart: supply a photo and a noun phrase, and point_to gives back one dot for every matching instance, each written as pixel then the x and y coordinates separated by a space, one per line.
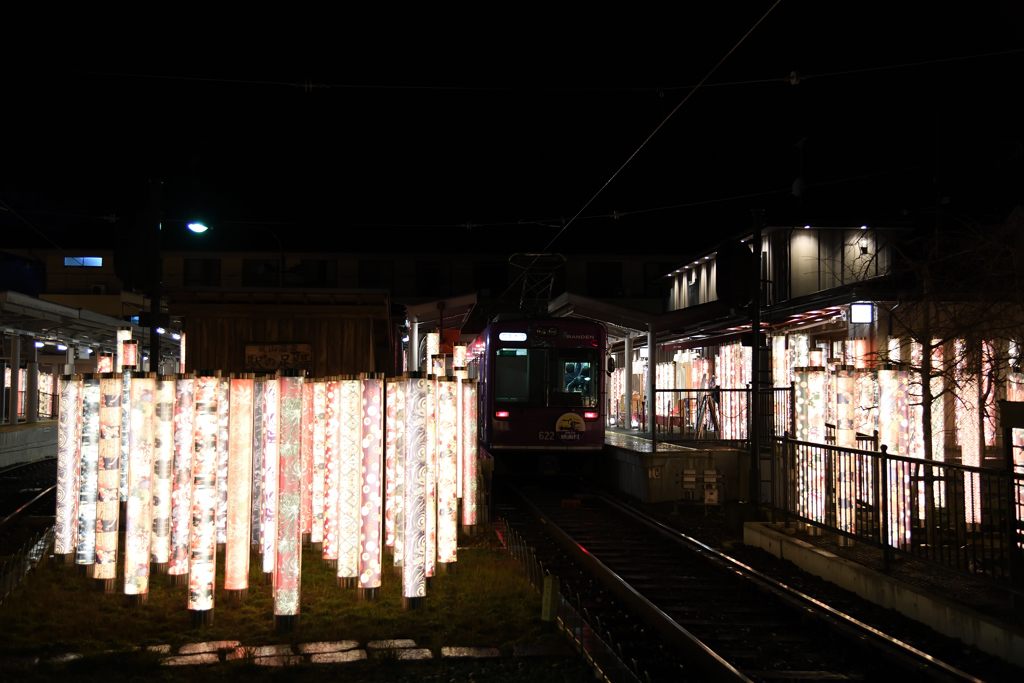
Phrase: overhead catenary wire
pixel 642 145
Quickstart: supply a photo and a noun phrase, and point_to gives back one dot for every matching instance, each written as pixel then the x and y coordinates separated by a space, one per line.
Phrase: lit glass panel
pixel 108 501
pixel 181 488
pixel 350 434
pixel 69 443
pixel 268 539
pixel 87 478
pixel 203 541
pixel 469 452
pixel 236 554
pixel 288 560
pixel 332 453
pixel 414 545
pixel 370 491
pixel 223 451
pixel 163 459
pixel 139 521
pixel 319 460
pixel 447 498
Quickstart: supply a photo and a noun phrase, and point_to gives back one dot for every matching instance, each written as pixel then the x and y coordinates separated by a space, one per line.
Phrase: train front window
pixel 562 378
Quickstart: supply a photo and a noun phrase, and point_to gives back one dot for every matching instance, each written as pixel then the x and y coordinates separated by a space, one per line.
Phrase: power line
pixel 642 145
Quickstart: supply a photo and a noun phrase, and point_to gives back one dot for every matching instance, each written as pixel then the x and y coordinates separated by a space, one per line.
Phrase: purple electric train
pixel 541 385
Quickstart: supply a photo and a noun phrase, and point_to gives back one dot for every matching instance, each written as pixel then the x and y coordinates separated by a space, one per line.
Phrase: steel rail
pixel 703 656
pixel 900 653
pixel 24 507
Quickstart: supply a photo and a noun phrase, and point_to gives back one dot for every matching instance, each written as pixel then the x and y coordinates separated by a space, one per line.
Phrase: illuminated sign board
pixel 512 336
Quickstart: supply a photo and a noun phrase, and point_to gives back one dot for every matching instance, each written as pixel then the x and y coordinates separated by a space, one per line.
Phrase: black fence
pixel 967 519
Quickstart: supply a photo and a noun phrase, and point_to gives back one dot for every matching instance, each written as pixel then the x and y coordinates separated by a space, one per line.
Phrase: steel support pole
pixel 755 365
pixel 414 345
pixel 32 389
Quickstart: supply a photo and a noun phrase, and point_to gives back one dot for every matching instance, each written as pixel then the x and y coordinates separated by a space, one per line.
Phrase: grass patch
pixel 486 602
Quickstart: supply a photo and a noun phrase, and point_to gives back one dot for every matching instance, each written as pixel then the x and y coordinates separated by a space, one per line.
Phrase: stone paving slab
pixel 338 657
pixel 241 652
pixel 209 646
pixel 326 647
pixel 471 652
pixel 391 644
pixel 183 660
pixel 278 660
pixel 162 649
pixel 414 653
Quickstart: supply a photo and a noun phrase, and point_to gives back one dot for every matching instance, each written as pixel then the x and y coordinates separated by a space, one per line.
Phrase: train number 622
pixel 546 436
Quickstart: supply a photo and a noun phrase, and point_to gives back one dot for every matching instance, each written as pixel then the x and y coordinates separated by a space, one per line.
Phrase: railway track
pixel 676 609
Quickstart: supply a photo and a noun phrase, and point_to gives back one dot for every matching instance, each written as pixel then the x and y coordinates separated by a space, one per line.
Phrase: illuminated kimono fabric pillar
pixel 223 446
pixel 268 539
pixel 288 562
pixel 447 499
pixel 163 459
pixel 846 437
pixel 892 417
pixel 938 435
pixel 87 477
pixel 69 443
pixel 255 492
pixel 390 419
pixel 181 488
pixel 332 467
pixel 370 499
pixel 130 357
pixel 236 554
pixel 401 386
pixel 319 459
pixel 105 364
pixel 108 479
pixel 469 453
pixel 459 370
pixel 203 541
pixel 433 348
pixel 987 399
pixel 430 485
pixel 350 436
pixel 810 426
pixel 414 542
pixel 306 460
pixel 139 522
pixel 1015 392
pixel 970 438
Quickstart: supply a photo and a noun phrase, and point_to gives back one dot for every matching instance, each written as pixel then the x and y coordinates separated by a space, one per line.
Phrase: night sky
pixel 385 133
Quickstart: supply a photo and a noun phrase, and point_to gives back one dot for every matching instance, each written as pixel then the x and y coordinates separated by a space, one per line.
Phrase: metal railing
pixel 593 642
pixel 966 519
pixel 14 570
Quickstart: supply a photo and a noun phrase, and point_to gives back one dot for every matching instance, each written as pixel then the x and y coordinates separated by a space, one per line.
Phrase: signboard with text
pixel 273 357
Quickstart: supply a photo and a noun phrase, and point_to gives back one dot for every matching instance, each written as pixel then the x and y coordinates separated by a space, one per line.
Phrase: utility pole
pixel 755 362
pixel 156 277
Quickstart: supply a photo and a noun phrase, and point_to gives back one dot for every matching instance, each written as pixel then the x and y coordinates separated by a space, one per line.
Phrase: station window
pixel 83 261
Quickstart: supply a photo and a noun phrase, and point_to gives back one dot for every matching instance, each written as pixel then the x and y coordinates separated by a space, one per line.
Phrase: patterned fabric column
pixel 87 476
pixel 163 458
pixel 401 385
pixel 348 480
pixel 447 498
pixel 288 562
pixel 181 491
pixel 846 437
pixel 236 555
pixel 130 353
pixel 69 443
pixel 332 467
pixel 469 452
pixel 203 542
pixel 257 462
pixel 319 459
pixel 108 478
pixel 390 417
pixel 892 432
pixel 306 460
pixel 370 508
pixel 268 539
pixel 223 444
pixel 139 522
pixel 430 485
pixel 460 372
pixel 414 546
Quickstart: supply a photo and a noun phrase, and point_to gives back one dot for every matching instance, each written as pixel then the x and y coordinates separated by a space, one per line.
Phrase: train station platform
pixel 25 442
